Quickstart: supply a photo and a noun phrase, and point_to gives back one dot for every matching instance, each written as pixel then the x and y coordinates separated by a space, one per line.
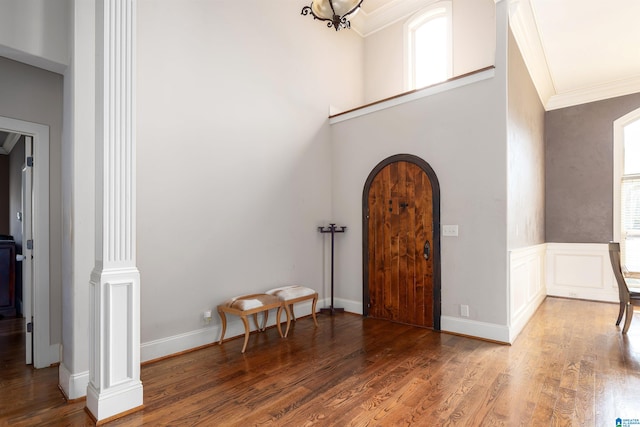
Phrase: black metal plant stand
pixel 333 230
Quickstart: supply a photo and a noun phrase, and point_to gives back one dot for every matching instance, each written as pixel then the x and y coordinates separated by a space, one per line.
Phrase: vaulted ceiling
pixel 576 51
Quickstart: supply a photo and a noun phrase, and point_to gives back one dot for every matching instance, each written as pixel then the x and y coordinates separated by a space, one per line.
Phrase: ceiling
pixel 576 51
pixel 7 141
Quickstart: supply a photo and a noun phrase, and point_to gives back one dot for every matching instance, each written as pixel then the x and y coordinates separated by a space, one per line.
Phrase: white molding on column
pixel 114 355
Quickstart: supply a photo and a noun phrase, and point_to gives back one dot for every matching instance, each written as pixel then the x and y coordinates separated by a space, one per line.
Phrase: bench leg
pixel 286 310
pixel 224 324
pixel 313 310
pixel 246 332
pixel 255 320
pixel 278 314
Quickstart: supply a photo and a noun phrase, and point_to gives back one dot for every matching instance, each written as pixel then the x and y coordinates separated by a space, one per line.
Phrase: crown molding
pixel 366 24
pixel 525 31
pixel 594 93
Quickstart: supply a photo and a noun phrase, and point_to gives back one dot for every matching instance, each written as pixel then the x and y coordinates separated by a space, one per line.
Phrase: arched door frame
pixel 435 187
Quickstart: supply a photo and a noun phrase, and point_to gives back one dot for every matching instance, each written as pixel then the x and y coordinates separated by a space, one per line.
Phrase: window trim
pixel 618 167
pixel 435 10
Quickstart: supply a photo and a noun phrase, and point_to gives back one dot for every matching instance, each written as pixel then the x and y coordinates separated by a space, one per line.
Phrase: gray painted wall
pixel 579 170
pixel 462 134
pixel 525 155
pixel 35 95
pixel 234 169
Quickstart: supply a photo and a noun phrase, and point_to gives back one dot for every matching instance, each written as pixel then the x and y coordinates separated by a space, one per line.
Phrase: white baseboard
pixel 348 305
pixel 74 386
pixel 474 328
pixel 163 347
pixel 556 269
pixel 580 270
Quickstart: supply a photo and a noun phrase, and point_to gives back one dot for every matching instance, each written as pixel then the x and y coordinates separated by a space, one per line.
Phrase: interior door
pixel 402 241
pixel 27 247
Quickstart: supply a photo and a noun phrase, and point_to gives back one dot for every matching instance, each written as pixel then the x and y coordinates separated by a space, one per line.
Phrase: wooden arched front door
pixel 401 242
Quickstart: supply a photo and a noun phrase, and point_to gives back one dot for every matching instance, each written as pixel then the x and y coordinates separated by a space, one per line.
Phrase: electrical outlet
pixel 207 316
pixel 464 310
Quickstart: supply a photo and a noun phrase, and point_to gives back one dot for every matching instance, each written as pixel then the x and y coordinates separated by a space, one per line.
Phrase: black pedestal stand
pixel 333 230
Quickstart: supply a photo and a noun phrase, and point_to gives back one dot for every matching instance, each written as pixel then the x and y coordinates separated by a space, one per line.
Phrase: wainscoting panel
pixel 526 286
pixel 580 270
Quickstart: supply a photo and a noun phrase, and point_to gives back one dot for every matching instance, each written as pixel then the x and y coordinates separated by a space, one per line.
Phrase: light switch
pixel 449 230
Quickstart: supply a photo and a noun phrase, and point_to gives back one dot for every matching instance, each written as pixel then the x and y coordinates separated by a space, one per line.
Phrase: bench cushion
pixel 286 293
pixel 248 302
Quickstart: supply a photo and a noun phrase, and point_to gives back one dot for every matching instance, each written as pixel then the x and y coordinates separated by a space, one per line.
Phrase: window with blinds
pixel 630 199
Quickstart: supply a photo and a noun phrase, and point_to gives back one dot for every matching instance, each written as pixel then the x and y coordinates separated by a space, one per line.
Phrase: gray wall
pixel 525 155
pixel 579 170
pixel 35 95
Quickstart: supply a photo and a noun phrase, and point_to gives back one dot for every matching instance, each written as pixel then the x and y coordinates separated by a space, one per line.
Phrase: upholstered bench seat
pixel 290 295
pixel 253 304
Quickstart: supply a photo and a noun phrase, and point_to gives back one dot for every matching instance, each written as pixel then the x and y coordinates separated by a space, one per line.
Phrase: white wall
pixel 473 48
pixel 234 154
pixel 462 135
pixel 35 32
pixel 78 197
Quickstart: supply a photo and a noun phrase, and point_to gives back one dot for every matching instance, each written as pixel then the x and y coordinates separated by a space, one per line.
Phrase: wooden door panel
pixel 400 220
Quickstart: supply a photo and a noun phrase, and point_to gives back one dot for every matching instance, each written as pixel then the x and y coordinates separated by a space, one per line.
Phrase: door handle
pixel 427 250
pixel 20 257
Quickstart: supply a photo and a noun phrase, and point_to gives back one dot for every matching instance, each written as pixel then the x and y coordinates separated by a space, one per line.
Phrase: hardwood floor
pixel 570 366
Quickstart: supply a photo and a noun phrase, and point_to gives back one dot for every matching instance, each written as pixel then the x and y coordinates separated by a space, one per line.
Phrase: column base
pixel 117 402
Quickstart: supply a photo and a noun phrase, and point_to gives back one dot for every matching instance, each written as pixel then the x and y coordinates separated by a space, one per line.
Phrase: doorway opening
pixel 401 242
pixel 34 214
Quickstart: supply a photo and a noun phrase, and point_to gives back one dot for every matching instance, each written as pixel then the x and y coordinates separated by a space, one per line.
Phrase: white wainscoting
pixel 580 270
pixel 526 286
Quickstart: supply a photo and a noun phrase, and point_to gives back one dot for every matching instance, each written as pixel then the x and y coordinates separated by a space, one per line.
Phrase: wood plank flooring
pixel 570 366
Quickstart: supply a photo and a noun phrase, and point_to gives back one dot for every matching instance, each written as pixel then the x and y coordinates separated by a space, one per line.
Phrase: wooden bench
pixel 290 295
pixel 253 304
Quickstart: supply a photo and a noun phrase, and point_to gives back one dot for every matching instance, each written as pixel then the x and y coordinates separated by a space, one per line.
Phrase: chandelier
pixel 335 12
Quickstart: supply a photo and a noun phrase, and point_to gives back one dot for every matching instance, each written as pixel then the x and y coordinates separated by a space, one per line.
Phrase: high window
pixel 428 46
pixel 627 189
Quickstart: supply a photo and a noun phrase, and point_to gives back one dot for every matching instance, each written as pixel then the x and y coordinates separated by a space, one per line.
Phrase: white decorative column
pixel 114 313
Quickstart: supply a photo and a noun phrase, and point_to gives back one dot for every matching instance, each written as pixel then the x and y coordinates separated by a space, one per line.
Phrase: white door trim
pixel 42 349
